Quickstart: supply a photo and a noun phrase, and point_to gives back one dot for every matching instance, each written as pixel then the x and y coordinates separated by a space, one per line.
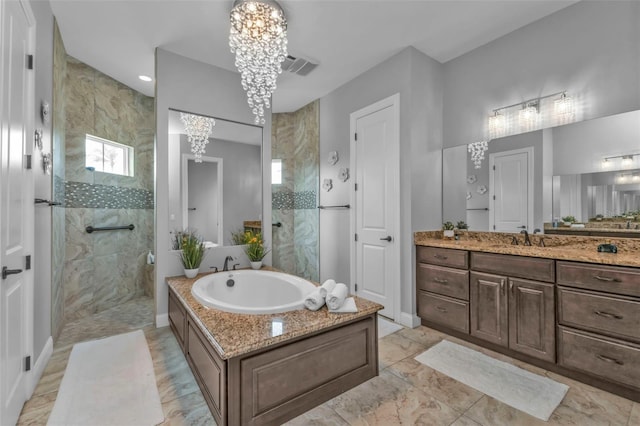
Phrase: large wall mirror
pixel 589 171
pixel 222 194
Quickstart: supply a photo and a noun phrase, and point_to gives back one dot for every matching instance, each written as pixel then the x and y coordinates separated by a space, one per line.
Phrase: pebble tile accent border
pixel 93 196
pixel 302 200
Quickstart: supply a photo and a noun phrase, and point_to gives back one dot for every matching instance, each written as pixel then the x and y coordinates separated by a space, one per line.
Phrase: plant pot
pixel 448 233
pixel 256 265
pixel 191 273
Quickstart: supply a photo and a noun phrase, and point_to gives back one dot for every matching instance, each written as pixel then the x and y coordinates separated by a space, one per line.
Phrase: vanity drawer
pixel 603 313
pixel 532 268
pixel 446 281
pixel 609 358
pixel 444 310
pixel 612 279
pixel 443 257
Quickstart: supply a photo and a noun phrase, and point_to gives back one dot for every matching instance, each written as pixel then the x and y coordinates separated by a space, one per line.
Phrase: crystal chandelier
pixel 477 150
pixel 258 37
pixel 198 130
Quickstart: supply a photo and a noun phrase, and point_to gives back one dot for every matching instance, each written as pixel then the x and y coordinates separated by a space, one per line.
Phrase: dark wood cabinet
pixel 532 318
pixel 579 319
pixel 489 308
pixel 177 318
pixel 515 313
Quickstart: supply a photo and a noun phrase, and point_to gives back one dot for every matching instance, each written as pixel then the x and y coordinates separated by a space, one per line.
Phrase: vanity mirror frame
pixel 180 160
pixel 601 137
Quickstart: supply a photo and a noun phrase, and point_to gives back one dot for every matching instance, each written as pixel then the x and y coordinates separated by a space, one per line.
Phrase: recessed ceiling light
pixel 145 78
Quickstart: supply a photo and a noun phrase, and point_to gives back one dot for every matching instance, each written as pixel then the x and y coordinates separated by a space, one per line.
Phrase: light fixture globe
pixel 258 37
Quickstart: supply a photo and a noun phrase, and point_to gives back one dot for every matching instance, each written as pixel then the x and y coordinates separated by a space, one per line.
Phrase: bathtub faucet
pixel 226 263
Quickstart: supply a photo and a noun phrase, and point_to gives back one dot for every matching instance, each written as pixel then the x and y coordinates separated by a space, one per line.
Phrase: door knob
pixel 522 227
pixel 6 272
pixel 387 238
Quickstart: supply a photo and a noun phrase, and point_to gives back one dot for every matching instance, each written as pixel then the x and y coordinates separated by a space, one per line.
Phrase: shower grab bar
pixel 43 201
pixel 346 206
pixel 91 229
pixel 482 208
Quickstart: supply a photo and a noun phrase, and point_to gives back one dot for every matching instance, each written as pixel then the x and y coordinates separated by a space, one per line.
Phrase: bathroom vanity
pixel 564 307
pixel 267 369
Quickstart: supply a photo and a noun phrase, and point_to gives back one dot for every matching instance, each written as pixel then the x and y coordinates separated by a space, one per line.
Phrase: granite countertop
pixel 560 247
pixel 237 334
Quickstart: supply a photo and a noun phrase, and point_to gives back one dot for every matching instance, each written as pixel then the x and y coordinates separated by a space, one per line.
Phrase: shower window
pixel 276 172
pixel 108 156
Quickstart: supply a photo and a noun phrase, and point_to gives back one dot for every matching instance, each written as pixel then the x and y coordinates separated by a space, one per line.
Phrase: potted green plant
pixel 191 249
pixel 255 248
pixel 448 229
pixel 462 225
pixel 568 220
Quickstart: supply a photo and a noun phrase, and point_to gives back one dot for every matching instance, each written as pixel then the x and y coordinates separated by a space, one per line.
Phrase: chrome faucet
pixel 527 241
pixel 226 263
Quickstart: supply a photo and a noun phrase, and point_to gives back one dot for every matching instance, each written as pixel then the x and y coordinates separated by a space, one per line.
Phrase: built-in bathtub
pixel 252 292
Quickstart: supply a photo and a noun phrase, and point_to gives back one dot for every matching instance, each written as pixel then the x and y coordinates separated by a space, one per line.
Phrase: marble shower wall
pixel 296 140
pixel 103 269
pixel 58 213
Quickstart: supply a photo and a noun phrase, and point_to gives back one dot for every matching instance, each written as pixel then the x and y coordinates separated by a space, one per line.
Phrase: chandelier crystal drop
pixel 198 129
pixel 258 37
pixel 477 150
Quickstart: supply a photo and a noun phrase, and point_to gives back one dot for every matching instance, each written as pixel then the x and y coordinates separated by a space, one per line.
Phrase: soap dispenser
pixel 150 258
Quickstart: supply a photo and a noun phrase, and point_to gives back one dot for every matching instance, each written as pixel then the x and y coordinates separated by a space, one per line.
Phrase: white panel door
pixel 376 201
pixel 16 207
pixel 511 190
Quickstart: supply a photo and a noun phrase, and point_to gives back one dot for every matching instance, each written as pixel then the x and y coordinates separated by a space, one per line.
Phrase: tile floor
pixel 405 393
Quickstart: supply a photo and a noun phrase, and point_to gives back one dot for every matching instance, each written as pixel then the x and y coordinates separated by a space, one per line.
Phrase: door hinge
pixel 356 237
pixel 28 161
pixel 27 363
pixel 356 287
pixel 356 186
pixel 355 135
pixel 29 62
pixel 27 262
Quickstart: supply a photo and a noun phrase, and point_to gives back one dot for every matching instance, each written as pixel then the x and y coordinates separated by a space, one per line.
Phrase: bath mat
pixel 109 382
pixel 535 395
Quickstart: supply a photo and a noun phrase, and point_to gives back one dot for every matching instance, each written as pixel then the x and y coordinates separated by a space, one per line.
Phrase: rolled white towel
pixel 327 286
pixel 335 299
pixel 314 301
pixel 349 306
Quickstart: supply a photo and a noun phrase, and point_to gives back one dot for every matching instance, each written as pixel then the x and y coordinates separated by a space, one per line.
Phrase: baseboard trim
pixel 162 320
pixel 409 320
pixel 40 365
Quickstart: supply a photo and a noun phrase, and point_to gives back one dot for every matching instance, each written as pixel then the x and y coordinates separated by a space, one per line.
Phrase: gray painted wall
pixel 192 86
pixel 42 181
pixel 590 49
pixel 418 80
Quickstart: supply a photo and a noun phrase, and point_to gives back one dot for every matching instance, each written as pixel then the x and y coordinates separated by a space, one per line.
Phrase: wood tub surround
pixel 577 318
pixel 267 369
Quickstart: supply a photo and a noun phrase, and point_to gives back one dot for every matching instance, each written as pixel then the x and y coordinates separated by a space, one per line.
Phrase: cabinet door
pixel 489 319
pixel 532 318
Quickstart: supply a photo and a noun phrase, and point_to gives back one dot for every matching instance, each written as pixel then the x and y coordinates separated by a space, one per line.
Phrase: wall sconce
pixel 626 160
pixel 531 114
pixel 497 125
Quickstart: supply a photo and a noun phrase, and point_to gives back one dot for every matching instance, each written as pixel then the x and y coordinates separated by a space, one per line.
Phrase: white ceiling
pixel 346 37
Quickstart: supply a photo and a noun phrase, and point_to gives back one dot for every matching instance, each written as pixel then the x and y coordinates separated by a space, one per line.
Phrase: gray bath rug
pixel 535 395
pixel 109 382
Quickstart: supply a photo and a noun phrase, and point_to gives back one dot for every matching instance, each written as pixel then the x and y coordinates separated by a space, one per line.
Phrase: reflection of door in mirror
pixel 202 197
pixel 511 190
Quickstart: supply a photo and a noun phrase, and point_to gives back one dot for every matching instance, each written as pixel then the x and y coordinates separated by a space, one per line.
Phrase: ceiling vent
pixel 298 66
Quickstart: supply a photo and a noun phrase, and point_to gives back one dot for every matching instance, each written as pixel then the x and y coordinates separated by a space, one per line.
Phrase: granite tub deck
pixel 267 369
pixel 573 248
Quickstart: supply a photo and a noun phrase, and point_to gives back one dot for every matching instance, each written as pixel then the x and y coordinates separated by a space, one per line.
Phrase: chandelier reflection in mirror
pixel 198 129
pixel 258 37
pixel 477 150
